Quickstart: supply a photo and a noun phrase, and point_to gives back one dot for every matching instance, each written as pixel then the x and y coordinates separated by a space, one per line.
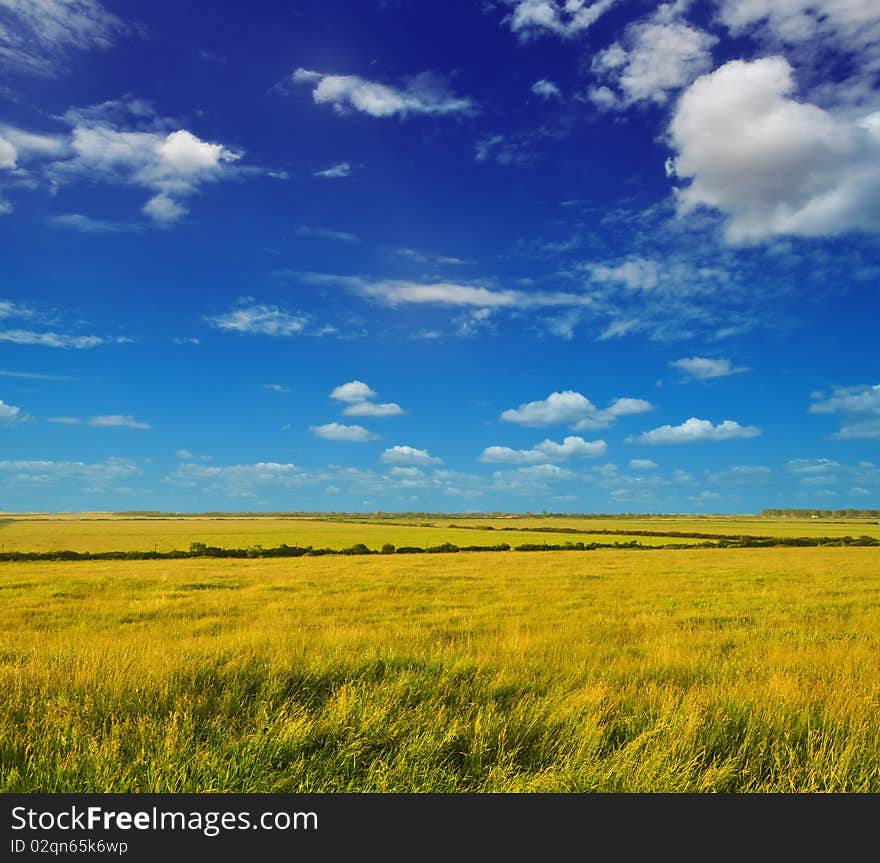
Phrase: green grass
pixel 699 670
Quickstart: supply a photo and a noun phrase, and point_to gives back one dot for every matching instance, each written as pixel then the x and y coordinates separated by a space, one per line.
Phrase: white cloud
pixel 695 430
pixel 87 225
pixel 8 154
pixel 657 59
pixel 563 18
pixel 742 473
pixel 164 210
pixel 37 35
pixel 860 405
pixel 33 376
pixel 865 430
pixel 546 89
pixel 407 455
pixel 395 292
pixel 573 408
pixel 9 414
pixel 58 340
pixel 372 409
pixel 275 388
pixel 125 143
pixel 186 455
pixel 855 400
pixel 425 93
pixel 336 431
pixel 325 234
pixel 811 465
pixel 642 464
pixel 260 320
pixel 117 421
pixel 240 480
pixel 774 165
pixel 854 25
pixel 704 368
pixel 548 450
pixel 342 169
pixel 352 392
pixel 537 472
pixel 46 473
pixel 559 407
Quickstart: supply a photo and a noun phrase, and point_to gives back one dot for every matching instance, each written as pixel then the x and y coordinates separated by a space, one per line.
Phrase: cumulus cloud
pixel 124 142
pixel 695 430
pixel 704 368
pixel 860 407
pixel 575 409
pixel 546 89
pixel 259 319
pixel 408 455
pixel 373 409
pixel 548 450
pixel 563 18
pixel 339 432
pixel 771 164
pixel 656 59
pixel 642 464
pixel 353 391
pixel 341 169
pixel 425 93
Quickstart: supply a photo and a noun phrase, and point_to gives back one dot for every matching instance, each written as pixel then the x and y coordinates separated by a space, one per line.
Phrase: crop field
pixel 119 534
pixel 697 670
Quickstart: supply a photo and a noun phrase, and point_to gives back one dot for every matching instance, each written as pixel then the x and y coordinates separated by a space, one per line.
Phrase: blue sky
pixel 518 255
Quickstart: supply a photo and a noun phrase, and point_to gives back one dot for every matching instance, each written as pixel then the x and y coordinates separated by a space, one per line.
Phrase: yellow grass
pixel 698 670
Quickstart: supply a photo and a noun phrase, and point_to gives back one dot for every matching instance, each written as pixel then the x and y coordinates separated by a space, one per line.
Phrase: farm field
pixel 730 525
pixel 680 670
pixel 121 534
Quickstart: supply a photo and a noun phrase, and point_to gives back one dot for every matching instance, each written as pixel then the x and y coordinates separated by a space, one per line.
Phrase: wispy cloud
pixel 859 405
pixel 37 36
pixel 342 169
pixel 103 421
pixel 87 225
pixel 704 368
pixel 58 340
pixel 426 93
pixel 325 234
pixel 259 319
pixel 33 376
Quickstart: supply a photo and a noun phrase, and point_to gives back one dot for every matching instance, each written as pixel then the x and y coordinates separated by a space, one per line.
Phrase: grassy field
pixel 698 670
